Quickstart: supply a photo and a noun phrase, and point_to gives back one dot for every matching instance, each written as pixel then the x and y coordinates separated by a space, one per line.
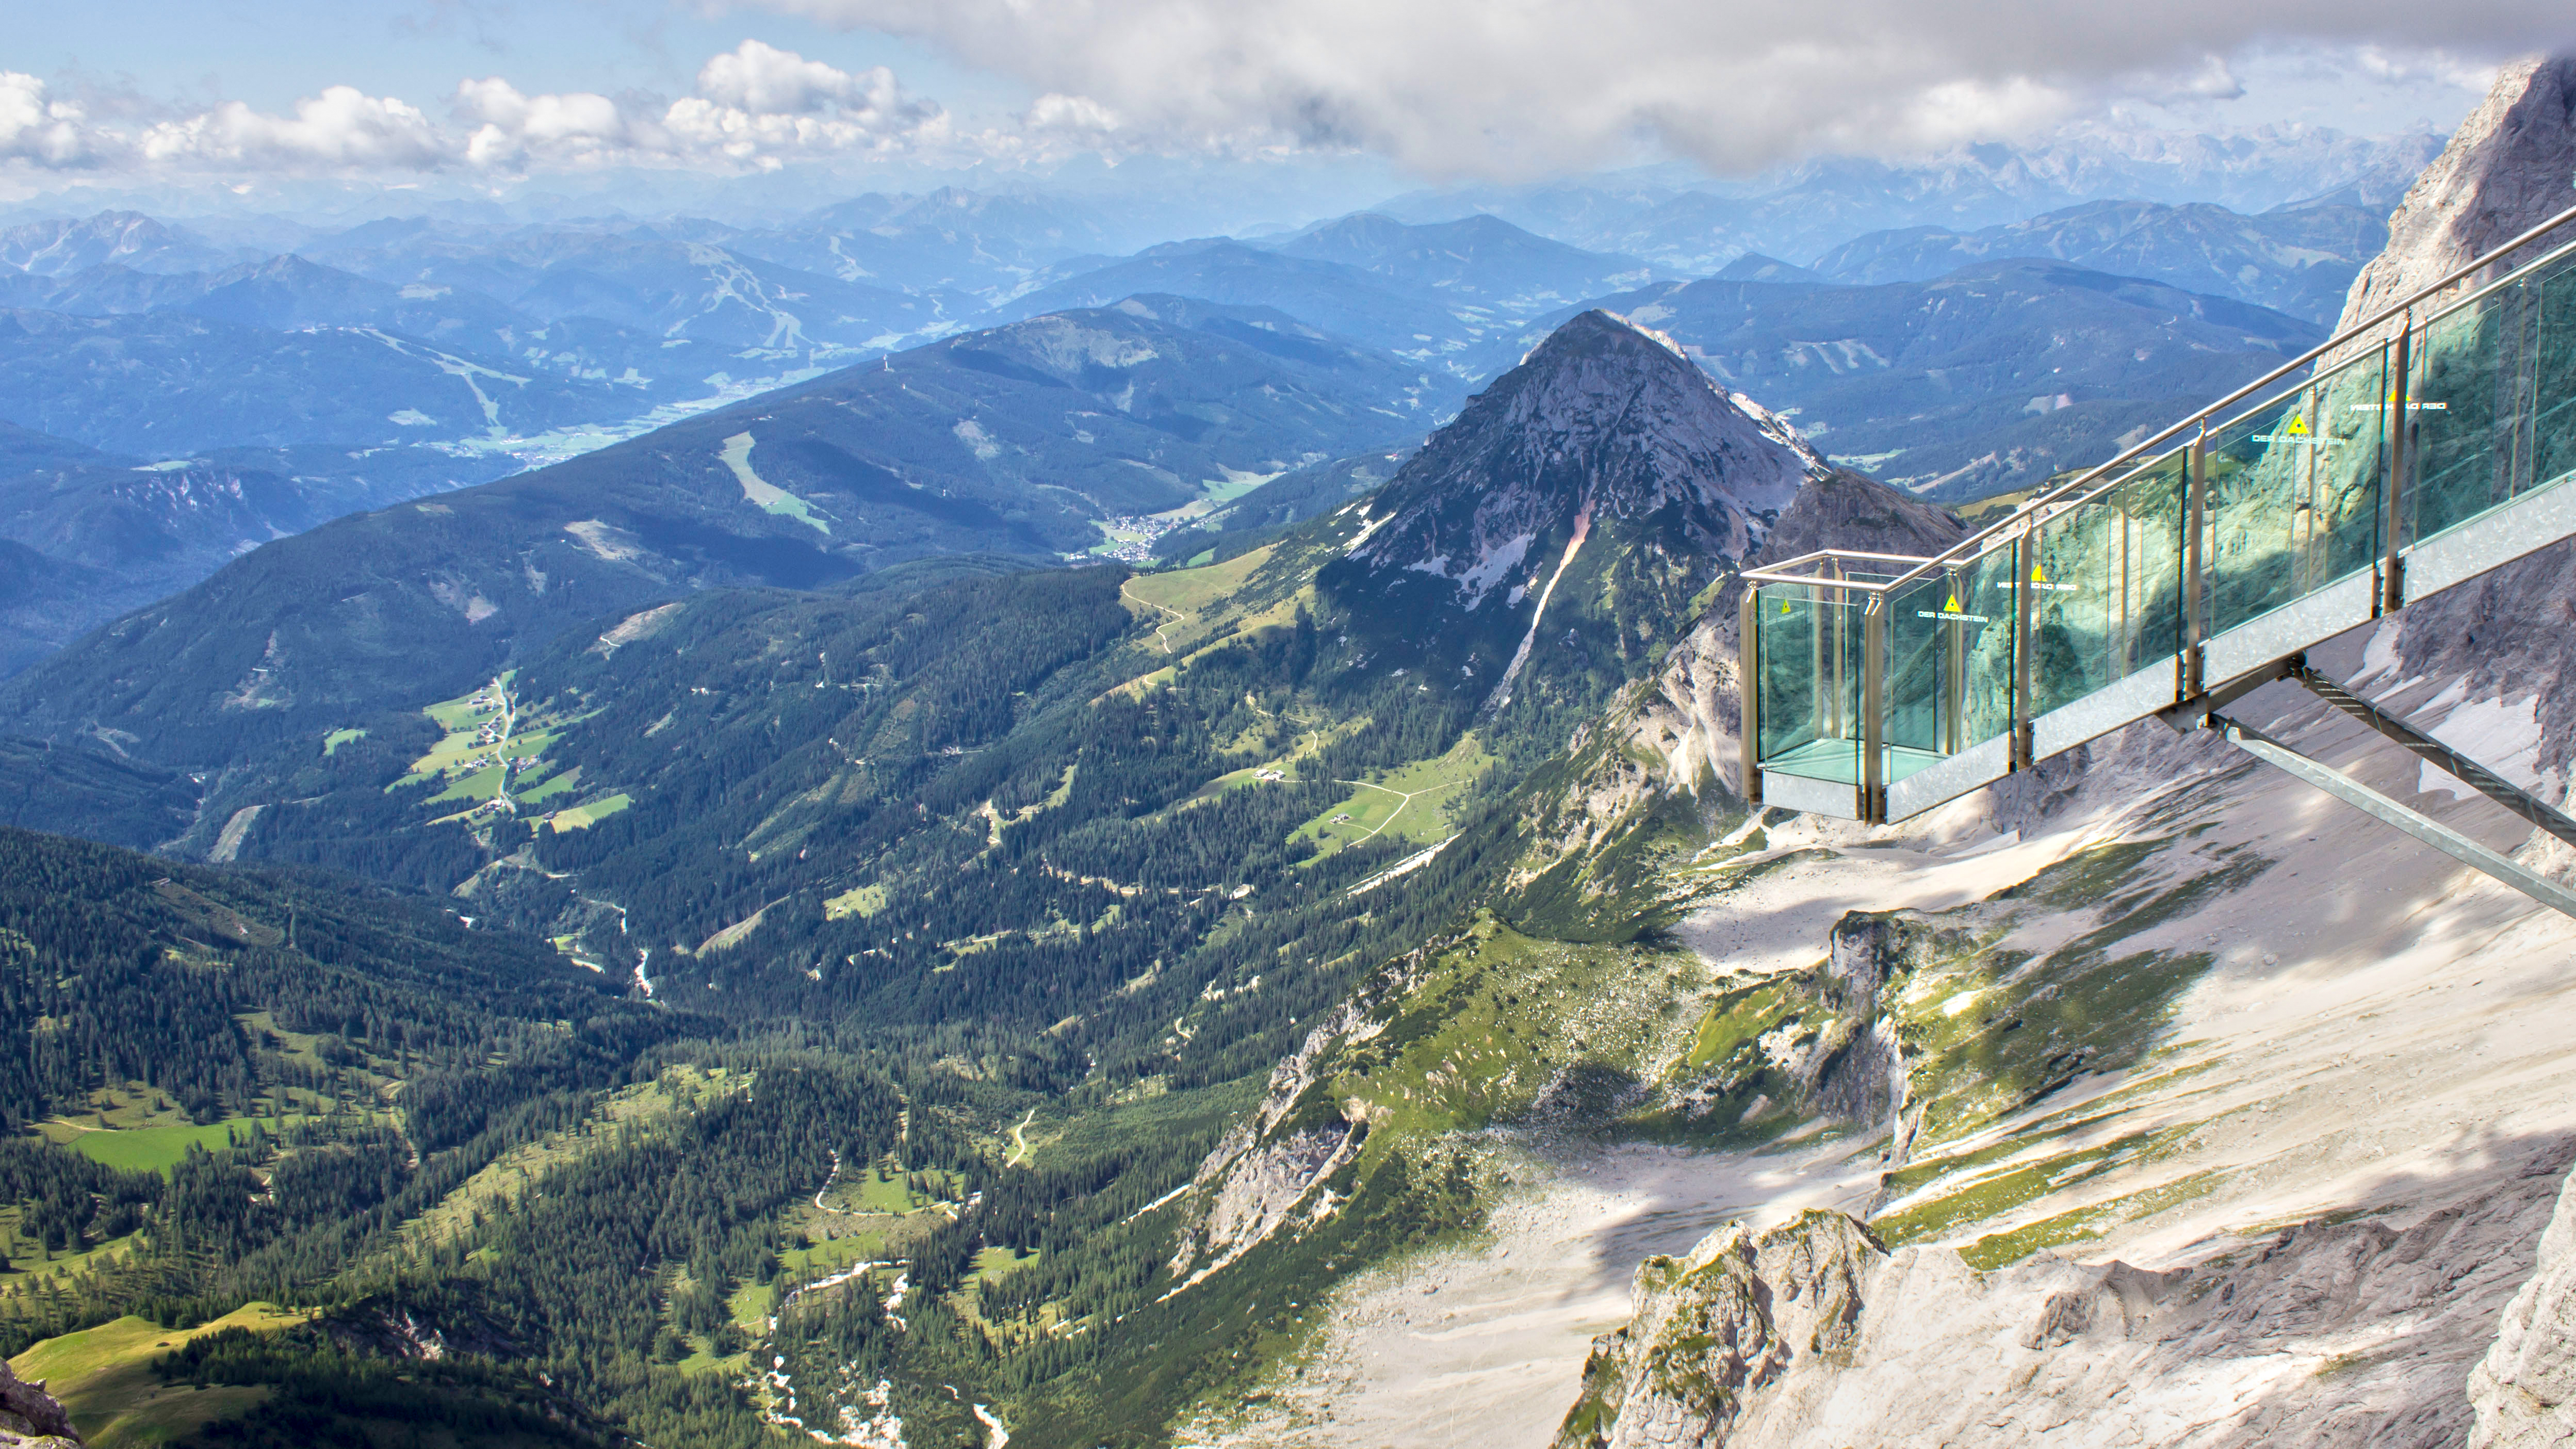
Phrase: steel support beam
pixel 2370 802
pixel 2442 757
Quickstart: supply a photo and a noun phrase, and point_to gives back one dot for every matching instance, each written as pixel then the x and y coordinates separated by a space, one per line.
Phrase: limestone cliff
pixel 2525 1389
pixel 2510 166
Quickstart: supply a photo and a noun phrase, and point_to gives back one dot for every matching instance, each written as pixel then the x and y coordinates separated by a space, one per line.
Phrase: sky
pixel 492 92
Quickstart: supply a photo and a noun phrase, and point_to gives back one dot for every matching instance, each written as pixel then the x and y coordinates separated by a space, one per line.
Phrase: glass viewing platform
pixel 2425 447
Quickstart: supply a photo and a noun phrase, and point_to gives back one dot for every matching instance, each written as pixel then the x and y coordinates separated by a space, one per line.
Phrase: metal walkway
pixel 2425 447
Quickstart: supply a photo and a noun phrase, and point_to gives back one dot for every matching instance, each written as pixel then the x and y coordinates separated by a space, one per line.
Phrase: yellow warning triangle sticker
pixel 1952 606
pixel 1784 606
pixel 2036 576
pixel 2298 427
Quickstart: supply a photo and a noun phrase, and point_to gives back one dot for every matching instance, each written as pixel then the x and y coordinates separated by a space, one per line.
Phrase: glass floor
pixel 1839 761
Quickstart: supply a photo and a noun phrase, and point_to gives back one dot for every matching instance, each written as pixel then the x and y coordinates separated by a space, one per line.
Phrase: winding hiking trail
pixel 1177 616
pixel 1020 1144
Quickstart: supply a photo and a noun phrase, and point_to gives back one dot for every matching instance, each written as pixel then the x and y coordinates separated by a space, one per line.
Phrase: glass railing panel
pixel 1922 653
pixel 2106 586
pixel 1949 642
pixel 2492 400
pixel 1985 638
pixel 1807 685
pixel 2554 380
pixel 2292 493
pixel 2467 401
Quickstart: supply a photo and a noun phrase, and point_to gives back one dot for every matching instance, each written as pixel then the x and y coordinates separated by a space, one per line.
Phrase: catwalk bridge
pixel 2432 443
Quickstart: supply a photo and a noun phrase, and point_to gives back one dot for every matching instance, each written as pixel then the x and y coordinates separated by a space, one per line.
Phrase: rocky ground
pixel 2374 1062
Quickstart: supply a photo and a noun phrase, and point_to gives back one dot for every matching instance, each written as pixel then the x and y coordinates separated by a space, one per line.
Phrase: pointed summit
pixel 1562 525
pixel 1604 419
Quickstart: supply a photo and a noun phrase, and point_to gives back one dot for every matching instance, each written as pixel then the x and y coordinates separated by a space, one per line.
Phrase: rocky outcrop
pixel 1716 1331
pixel 2346 1333
pixel 1267 1169
pixel 2510 166
pixel 2524 1391
pixel 29 1417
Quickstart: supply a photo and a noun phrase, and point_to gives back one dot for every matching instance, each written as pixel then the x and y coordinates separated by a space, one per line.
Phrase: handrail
pixel 2021 517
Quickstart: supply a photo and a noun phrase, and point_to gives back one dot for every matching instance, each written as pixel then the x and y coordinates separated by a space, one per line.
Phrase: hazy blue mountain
pixel 172 384
pixel 114 534
pixel 1991 377
pixel 1337 298
pixel 33 590
pixel 1481 260
pixel 2297 261
pixel 1677 220
pixel 773 317
pixel 1755 267
pixel 1022 440
pixel 950 239
pixel 121 238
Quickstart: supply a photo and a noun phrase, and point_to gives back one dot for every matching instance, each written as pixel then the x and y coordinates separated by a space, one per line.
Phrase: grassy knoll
pixel 861 901
pixel 1410 804
pixel 155 1149
pixel 582 817
pixel 332 742
pixel 104 1377
pixel 551 786
pixel 763 494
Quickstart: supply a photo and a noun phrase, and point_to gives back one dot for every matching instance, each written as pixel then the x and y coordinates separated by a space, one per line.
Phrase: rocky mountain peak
pixel 1605 419
pixel 2508 168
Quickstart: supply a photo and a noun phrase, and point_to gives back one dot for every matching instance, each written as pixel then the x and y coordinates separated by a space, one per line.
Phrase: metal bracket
pixel 2189 715
pixel 2370 802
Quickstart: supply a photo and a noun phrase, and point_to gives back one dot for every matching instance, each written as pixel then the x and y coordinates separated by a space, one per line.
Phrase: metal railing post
pixel 2195 513
pixel 1954 694
pixel 1873 727
pixel 2025 559
pixel 2392 568
pixel 1748 663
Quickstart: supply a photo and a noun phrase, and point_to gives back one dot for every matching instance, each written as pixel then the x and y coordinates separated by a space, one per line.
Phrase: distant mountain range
pixel 1989 378
pixel 214 394
pixel 2299 261
pixel 1031 440
pixel 1675 220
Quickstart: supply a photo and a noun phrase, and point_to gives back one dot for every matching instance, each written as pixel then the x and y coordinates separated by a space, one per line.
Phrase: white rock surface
pixel 2525 1390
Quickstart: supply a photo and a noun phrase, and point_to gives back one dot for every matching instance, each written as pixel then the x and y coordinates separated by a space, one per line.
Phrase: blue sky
pixel 273 52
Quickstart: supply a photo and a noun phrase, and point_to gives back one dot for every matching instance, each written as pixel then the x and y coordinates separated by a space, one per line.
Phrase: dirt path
pixel 1403 799
pixel 1177 616
pixel 1019 1142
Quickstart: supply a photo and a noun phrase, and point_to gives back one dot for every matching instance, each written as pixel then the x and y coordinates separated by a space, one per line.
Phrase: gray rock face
pixel 1604 420
pixel 2525 1389
pixel 29 1417
pixel 2356 1333
pixel 2511 166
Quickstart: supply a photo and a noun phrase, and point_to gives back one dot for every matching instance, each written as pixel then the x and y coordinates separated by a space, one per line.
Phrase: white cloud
pixel 759 104
pixel 342 128
pixel 1504 87
pixel 38 131
pixel 754 106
